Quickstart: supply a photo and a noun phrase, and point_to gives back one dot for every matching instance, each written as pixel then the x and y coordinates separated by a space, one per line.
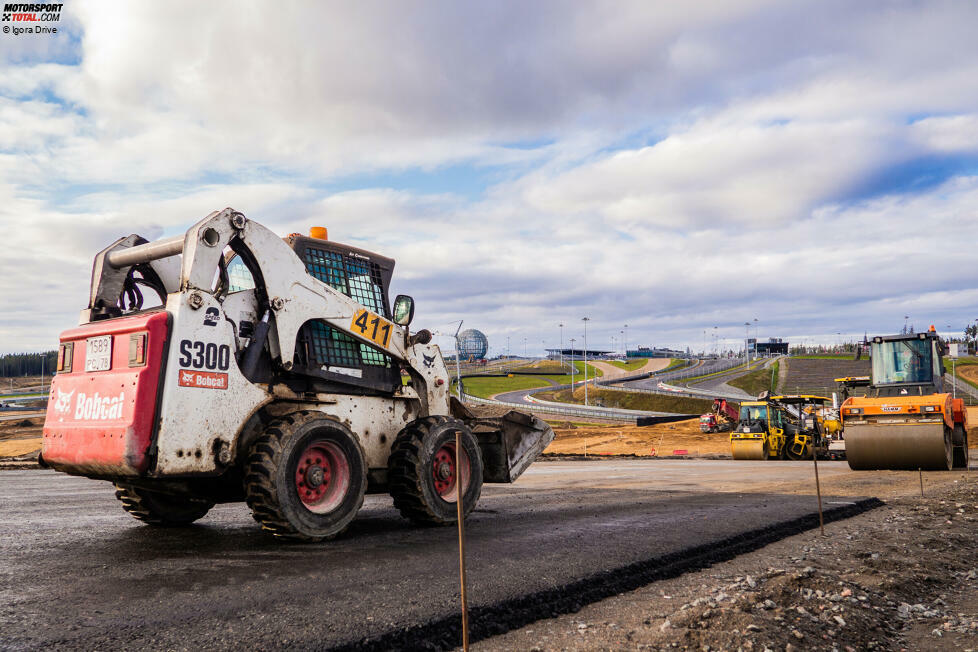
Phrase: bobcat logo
pixel 63 403
pixel 186 376
pixel 429 360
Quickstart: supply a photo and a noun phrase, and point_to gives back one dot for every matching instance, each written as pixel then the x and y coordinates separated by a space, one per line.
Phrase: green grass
pixel 488 386
pixel 542 366
pixel 632 400
pixel 673 364
pixel 757 381
pixel 631 365
pixel 695 379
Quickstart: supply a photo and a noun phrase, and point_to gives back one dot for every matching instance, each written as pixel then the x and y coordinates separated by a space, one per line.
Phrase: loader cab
pixel 755 417
pixel 365 277
pixel 907 364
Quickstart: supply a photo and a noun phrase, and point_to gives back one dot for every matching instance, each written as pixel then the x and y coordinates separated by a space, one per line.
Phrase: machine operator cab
pixel 329 359
pixel 907 364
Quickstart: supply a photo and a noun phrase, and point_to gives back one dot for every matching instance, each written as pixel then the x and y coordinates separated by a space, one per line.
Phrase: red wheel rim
pixel 322 476
pixel 444 472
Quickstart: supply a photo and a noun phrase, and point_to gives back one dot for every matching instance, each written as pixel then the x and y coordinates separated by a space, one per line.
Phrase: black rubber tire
pixel 160 509
pixel 270 485
pixel 959 442
pixel 410 470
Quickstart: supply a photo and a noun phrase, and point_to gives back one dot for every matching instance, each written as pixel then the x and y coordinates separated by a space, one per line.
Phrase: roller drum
pixel 898 446
pixel 748 450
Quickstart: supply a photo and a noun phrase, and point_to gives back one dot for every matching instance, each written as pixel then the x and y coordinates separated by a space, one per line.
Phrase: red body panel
pixel 100 423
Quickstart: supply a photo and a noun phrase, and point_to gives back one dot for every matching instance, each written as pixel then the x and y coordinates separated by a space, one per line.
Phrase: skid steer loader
pixel 268 371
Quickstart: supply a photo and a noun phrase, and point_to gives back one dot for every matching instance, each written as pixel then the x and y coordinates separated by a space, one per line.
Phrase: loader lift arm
pixel 283 289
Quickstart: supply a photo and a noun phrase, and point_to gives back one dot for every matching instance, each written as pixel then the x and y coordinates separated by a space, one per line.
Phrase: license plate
pixel 98 353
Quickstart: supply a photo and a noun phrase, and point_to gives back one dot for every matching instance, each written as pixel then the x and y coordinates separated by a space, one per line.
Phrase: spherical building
pixel 472 344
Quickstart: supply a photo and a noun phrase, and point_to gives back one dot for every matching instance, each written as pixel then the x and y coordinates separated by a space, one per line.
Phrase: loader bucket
pixel 509 444
pixel 898 446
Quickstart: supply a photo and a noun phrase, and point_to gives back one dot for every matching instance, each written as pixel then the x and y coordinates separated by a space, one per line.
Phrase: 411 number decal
pixel 373 327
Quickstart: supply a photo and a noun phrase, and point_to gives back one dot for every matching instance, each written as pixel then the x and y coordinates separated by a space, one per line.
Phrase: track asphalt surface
pixel 77 572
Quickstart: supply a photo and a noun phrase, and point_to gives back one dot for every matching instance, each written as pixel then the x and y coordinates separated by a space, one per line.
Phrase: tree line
pixel 28 364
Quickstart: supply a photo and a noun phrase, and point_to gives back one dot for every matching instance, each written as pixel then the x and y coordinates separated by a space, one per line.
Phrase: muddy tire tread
pixel 259 480
pixel 140 507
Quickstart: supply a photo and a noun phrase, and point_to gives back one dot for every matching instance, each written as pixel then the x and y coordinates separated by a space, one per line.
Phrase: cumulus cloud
pixel 673 168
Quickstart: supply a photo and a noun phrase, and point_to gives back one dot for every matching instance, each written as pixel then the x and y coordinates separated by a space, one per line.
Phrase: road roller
pixel 807 426
pixel 906 420
pixel 760 431
pixel 779 427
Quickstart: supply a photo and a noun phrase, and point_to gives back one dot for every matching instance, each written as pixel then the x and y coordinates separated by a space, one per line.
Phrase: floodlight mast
pixel 458 357
pixel 561 353
pixel 585 320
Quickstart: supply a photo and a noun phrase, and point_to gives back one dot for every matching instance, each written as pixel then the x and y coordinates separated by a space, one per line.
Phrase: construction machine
pixel 805 433
pixel 760 431
pixel 906 420
pixel 779 427
pixel 229 364
pixel 721 418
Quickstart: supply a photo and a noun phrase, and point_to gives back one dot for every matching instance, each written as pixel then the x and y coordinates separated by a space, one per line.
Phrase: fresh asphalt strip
pixel 492 620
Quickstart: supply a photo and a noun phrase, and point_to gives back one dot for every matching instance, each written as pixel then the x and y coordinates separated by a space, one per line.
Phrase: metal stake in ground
pixel 461 540
pixel 818 486
pixel 920 472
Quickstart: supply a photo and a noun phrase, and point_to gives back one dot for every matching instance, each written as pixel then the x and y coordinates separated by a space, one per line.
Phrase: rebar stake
pixel 921 473
pixel 818 488
pixel 461 539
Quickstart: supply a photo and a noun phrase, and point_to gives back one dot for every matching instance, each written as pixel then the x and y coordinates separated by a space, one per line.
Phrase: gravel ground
pixel 903 576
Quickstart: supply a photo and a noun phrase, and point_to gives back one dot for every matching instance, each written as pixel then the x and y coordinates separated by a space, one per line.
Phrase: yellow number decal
pixel 373 327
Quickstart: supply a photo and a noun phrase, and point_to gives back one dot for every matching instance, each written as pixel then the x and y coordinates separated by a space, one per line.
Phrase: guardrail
pixel 562 409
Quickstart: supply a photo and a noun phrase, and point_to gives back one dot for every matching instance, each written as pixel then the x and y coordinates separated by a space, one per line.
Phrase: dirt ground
pixel 17 439
pixel 968 371
pixel 20 436
pixel 664 439
pixel 24 383
pixel 900 577
pixel 634 440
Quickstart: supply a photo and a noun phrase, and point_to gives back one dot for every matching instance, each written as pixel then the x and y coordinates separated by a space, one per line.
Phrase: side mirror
pixel 403 310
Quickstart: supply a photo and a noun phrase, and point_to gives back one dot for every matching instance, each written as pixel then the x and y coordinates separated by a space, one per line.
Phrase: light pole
pixel 458 361
pixel 585 320
pixel 625 334
pixel 747 342
pixel 573 366
pixel 561 345
pixel 755 338
pixel 715 353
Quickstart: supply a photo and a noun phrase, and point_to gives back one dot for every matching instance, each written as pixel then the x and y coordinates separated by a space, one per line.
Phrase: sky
pixel 679 168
